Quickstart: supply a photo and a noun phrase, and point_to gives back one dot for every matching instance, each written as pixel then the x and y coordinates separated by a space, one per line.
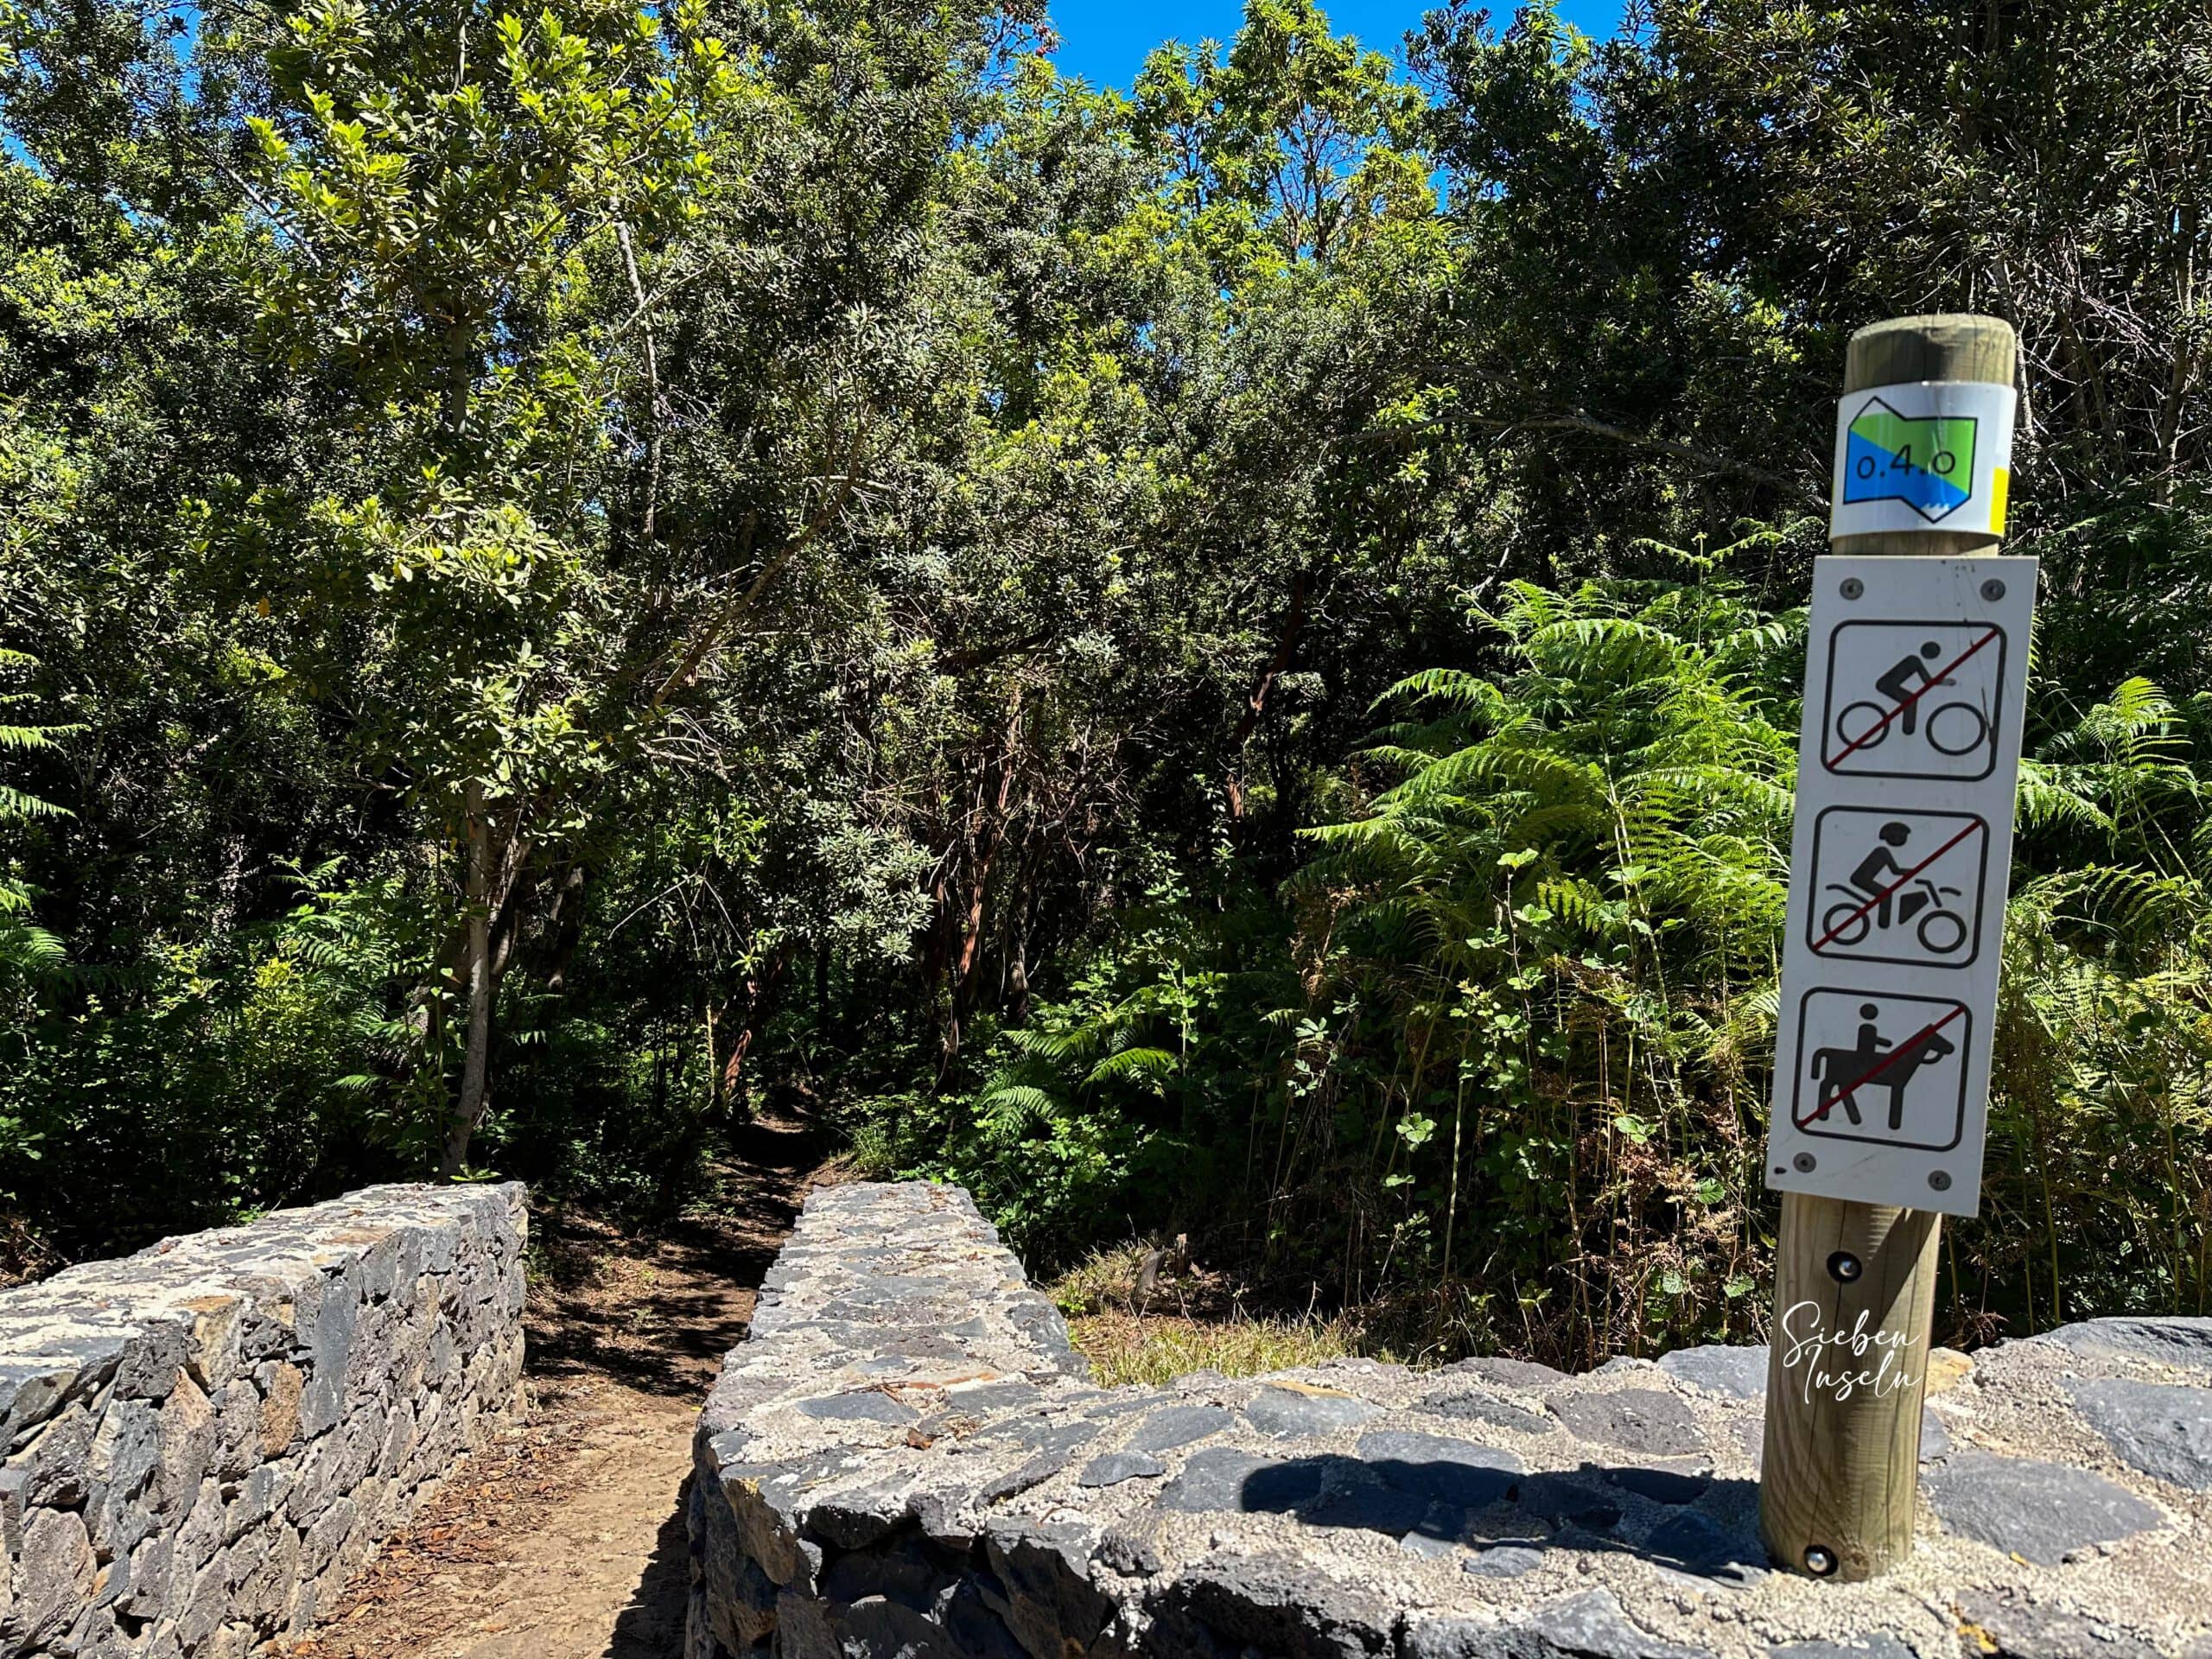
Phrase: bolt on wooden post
pixel 1909 752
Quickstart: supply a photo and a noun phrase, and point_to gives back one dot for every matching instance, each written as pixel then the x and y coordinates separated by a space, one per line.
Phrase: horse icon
pixel 1873 1063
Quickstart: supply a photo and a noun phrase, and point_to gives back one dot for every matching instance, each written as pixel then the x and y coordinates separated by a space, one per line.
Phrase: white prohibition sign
pixel 1908 757
pixel 1914 699
pixel 1891 885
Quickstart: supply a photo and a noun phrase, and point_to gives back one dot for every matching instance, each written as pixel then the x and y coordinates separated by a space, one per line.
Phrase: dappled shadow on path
pixel 660 1317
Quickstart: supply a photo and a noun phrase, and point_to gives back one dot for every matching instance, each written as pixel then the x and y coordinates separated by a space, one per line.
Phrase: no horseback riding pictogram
pixel 1882 1067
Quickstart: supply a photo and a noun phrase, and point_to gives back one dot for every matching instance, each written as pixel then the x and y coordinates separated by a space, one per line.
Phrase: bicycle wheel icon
pixel 1864 725
pixel 1846 924
pixel 1957 728
pixel 1942 931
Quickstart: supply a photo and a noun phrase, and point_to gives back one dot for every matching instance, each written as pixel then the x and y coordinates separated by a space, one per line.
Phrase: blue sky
pixel 1105 41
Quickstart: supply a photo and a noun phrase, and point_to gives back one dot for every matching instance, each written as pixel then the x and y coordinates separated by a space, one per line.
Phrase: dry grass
pixel 1192 1322
pixel 1125 1347
pixel 1107 1279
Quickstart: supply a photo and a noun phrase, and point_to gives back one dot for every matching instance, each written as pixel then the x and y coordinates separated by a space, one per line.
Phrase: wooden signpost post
pixel 1916 672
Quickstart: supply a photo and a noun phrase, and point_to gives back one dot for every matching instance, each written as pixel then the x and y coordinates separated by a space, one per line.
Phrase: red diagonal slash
pixel 1891 893
pixel 1883 724
pixel 1910 1045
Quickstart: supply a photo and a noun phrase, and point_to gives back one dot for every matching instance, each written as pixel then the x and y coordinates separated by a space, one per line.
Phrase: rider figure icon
pixel 1845 1071
pixel 1881 861
pixel 1897 684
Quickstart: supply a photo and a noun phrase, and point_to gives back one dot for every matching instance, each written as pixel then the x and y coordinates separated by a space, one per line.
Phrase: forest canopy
pixel 1220 658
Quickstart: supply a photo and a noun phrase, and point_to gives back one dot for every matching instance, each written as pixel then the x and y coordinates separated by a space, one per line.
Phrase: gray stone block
pixel 1475 1406
pixel 1289 1412
pixel 1513 1373
pixel 1504 1561
pixel 1270 1604
pixel 1459 1472
pixel 1647 1420
pixel 865 1408
pixel 1175 1425
pixel 54 1578
pixel 1116 1468
pixel 1590 1625
pixel 1934 1438
pixel 1223 1478
pixel 1876 1646
pixel 1733 1373
pixel 2164 1342
pixel 2039 1511
pixel 2162 1429
pixel 1694 1542
pixel 2028 1627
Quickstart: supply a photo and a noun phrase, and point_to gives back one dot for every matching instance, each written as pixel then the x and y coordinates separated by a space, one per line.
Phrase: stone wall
pixel 206 1438
pixel 906 1458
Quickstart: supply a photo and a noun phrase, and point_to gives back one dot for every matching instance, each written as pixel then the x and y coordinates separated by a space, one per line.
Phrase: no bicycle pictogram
pixel 1914 699
pixel 1881 1067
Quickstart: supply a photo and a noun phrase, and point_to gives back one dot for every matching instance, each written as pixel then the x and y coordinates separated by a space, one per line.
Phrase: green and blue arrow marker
pixel 1928 464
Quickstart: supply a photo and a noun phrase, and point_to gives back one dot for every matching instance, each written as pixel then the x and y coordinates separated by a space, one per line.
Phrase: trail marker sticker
pixel 1907 758
pixel 1927 455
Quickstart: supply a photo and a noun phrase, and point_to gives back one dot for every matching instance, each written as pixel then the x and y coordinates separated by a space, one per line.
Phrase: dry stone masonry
pixel 907 1459
pixel 206 1438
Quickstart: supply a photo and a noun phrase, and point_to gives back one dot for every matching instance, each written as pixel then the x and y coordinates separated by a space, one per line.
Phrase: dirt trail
pixel 564 1538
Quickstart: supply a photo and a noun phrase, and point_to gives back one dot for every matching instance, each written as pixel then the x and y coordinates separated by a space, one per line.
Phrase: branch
pixel 718 626
pixel 1576 421
pixel 652 378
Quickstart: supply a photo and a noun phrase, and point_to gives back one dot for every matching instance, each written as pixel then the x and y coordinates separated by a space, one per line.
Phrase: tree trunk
pixel 1287 634
pixel 763 994
pixel 468 1110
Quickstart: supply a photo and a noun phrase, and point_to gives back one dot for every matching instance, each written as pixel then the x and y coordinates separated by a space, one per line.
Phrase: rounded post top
pixel 1943 345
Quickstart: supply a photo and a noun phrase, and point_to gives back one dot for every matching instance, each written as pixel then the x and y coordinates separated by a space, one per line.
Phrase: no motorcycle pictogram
pixel 1893 886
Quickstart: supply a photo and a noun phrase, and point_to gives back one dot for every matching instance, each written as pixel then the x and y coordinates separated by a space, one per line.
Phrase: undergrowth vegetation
pixel 1503 1083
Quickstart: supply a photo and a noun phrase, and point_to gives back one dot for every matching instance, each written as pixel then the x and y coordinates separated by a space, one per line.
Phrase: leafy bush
pixel 1510 1073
